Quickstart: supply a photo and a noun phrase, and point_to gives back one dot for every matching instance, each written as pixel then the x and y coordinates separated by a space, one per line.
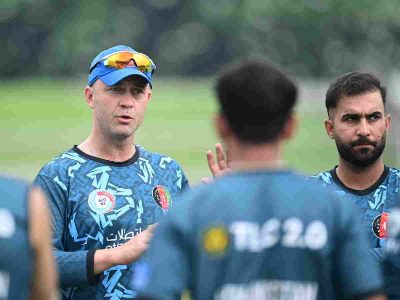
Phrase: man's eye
pixel 349 119
pixel 116 89
pixel 137 91
pixel 374 117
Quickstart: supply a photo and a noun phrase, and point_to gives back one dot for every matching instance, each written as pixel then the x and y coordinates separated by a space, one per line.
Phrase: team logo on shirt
pixel 101 201
pixel 379 225
pixel 216 240
pixel 162 197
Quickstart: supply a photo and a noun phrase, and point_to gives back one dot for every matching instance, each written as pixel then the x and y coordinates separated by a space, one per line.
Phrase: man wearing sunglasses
pixel 106 192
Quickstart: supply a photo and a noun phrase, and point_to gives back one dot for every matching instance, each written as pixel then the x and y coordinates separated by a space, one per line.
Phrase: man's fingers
pixel 150 230
pixel 206 180
pixel 148 233
pixel 214 168
pixel 221 157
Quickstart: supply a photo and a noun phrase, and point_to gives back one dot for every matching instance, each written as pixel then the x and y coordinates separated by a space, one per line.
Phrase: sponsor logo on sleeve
pixel 162 197
pixel 101 201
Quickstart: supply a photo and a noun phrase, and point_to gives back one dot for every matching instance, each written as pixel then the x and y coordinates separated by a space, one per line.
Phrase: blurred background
pixel 46 47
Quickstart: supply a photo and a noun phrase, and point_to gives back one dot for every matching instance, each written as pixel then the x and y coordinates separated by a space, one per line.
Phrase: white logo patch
pixel 7 224
pixel 101 201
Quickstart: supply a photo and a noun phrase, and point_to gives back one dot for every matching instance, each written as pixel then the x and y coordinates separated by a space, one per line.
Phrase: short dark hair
pixel 256 99
pixel 352 84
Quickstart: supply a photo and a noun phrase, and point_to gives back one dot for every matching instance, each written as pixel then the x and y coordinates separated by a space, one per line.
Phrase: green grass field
pixel 41 118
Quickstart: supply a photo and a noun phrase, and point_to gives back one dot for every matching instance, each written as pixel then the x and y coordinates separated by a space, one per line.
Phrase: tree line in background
pixel 197 37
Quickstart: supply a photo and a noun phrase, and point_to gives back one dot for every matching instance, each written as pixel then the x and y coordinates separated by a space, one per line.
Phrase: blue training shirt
pixel 16 265
pixel 100 204
pixel 374 203
pixel 259 235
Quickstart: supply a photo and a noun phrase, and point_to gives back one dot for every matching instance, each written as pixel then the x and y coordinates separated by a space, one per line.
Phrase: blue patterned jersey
pixel 374 202
pixel 15 249
pixel 100 204
pixel 259 235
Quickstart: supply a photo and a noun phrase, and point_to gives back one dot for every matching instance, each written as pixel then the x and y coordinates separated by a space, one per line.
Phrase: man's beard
pixel 363 157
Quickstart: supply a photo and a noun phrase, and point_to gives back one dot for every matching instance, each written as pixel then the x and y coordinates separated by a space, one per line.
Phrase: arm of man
pixel 79 268
pixel 125 254
pixel 44 284
pixel 75 268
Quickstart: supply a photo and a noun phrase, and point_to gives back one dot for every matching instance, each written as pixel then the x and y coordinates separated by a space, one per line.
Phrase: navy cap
pixel 109 75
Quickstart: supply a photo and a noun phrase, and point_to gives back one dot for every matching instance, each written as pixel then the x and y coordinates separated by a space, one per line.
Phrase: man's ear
pixel 329 127
pixel 221 126
pixel 89 96
pixel 150 93
pixel 388 122
pixel 290 127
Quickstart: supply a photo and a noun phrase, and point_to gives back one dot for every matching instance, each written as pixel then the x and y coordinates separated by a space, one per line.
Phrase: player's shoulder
pixel 157 159
pixel 323 191
pixel 283 184
pixel 394 174
pixel 8 182
pixel 320 175
pixel 15 191
pixel 324 177
pixel 8 179
pixel 60 164
pixel 240 192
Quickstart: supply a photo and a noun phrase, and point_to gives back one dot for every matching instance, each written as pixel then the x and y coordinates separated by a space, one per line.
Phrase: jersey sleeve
pixel 356 271
pixel 185 182
pixel 391 262
pixel 74 268
pixel 182 182
pixel 169 254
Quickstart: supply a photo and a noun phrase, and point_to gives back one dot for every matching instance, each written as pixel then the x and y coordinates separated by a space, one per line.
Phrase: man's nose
pixel 126 100
pixel 363 128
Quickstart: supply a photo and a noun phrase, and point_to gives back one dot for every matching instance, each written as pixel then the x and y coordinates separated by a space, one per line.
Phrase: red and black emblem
pixel 379 225
pixel 162 197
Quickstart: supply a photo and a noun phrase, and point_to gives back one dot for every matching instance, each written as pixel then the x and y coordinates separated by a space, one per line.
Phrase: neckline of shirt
pixel 364 192
pixel 125 163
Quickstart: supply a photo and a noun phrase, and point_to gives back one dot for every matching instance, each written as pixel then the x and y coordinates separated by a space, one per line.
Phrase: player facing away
pixel 27 268
pixel 106 192
pixel 358 123
pixel 261 231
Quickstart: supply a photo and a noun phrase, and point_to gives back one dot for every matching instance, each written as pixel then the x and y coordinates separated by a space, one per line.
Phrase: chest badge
pixel 101 201
pixel 162 197
pixel 216 240
pixel 379 225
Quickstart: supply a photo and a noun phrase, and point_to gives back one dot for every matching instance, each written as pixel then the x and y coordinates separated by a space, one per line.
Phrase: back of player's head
pixel 256 99
pixel 352 84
